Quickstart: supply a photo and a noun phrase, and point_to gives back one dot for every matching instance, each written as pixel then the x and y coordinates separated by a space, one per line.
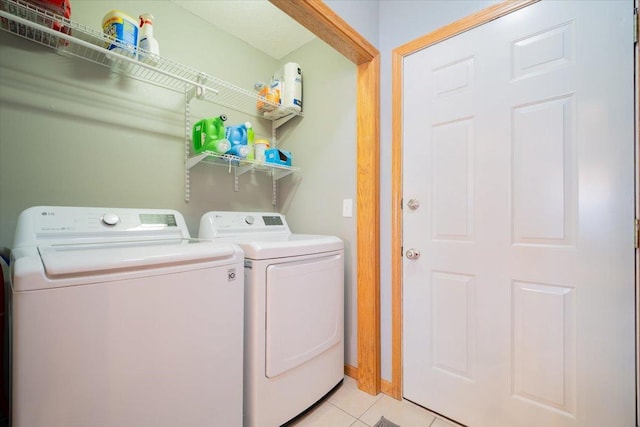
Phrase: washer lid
pixel 258 247
pixel 103 257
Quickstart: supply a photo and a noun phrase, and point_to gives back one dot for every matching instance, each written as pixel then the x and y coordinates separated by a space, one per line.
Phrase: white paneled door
pixel 518 192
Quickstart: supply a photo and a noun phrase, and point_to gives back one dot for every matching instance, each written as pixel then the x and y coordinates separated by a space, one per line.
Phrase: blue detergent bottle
pixel 239 150
pixel 237 136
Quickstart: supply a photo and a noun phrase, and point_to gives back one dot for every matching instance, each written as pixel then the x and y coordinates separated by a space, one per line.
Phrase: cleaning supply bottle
pixel 147 42
pixel 122 31
pixel 239 150
pixel 251 135
pixel 236 134
pixel 209 135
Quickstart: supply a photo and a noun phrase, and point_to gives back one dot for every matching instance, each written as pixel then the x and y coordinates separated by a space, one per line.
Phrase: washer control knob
pixel 249 220
pixel 110 219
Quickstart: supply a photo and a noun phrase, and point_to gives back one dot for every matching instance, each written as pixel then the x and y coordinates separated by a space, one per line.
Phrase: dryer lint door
pixel 304 311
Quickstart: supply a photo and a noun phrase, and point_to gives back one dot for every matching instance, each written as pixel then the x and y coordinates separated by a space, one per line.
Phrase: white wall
pixel 73 133
pixel 326 151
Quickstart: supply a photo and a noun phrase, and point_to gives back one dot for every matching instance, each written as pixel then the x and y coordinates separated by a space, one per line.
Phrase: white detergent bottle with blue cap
pixel 149 44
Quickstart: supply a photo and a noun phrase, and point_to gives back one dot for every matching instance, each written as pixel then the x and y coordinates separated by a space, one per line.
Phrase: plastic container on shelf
pixel 261 145
pixel 239 150
pixel 271 94
pixel 149 45
pixel 290 76
pixel 236 134
pixel 251 135
pixel 124 29
pixel 209 135
pixel 58 7
pixel 277 156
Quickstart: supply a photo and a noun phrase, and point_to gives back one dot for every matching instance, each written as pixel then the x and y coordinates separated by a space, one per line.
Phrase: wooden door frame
pixel 637 207
pixel 398 55
pixel 318 18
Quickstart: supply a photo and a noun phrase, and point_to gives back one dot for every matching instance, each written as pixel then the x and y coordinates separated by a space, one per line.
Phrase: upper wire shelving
pixel 71 38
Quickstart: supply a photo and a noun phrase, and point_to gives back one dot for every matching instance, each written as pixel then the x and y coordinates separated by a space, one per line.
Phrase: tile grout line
pixel 355 419
pixel 378 399
pixel 358 418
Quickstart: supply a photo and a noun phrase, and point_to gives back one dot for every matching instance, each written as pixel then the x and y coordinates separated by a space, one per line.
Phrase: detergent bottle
pixel 123 28
pixel 236 134
pixel 147 41
pixel 239 150
pixel 209 135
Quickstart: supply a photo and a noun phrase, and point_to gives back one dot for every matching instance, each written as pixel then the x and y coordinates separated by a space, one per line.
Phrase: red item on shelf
pixel 58 7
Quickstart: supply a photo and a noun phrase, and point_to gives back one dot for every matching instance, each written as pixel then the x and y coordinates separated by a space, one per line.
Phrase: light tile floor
pixel 349 407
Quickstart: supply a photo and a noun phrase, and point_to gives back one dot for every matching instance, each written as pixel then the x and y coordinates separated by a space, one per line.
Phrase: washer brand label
pixel 231 275
pixel 248 264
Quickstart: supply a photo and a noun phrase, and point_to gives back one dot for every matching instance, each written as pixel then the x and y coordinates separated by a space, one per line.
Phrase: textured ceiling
pixel 257 22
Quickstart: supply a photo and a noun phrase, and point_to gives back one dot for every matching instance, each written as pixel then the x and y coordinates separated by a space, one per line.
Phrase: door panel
pixel 518 144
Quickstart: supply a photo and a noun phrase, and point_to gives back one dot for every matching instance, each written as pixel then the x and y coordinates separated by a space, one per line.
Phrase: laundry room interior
pixel 103 139
pixel 78 133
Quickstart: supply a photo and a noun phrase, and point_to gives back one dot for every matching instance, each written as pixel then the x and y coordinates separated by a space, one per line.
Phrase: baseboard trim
pixel 386 387
pixel 351 371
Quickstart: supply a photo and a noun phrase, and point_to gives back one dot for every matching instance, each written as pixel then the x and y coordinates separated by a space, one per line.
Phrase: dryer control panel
pixel 229 224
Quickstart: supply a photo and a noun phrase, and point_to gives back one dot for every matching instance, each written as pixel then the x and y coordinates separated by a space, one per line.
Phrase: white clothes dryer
pixel 120 319
pixel 294 313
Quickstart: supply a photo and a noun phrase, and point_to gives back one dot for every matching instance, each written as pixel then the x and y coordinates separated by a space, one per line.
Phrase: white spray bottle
pixel 147 41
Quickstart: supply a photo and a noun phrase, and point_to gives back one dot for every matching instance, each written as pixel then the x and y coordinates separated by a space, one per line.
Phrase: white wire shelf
pixel 71 38
pixel 241 165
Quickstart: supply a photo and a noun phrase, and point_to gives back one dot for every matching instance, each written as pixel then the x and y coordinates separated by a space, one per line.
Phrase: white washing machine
pixel 294 313
pixel 120 319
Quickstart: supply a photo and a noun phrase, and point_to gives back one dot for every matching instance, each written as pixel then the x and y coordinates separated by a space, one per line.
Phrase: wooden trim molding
pixel 398 55
pixel 396 226
pixel 368 220
pixel 317 17
pixel 351 371
pixel 637 195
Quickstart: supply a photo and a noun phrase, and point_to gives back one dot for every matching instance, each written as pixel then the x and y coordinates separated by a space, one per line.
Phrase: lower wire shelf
pixel 241 165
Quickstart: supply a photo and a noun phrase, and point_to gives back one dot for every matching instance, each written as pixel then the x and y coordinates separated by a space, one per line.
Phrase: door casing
pixel 318 18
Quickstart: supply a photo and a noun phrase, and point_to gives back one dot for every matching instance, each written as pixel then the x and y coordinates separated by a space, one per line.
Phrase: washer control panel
pixel 62 222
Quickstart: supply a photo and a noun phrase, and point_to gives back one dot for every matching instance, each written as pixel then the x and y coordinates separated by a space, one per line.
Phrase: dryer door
pixel 305 311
